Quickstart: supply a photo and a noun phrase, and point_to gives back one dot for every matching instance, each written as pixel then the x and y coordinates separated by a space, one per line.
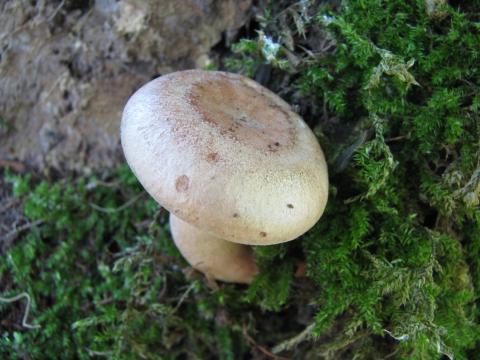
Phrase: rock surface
pixel 68 67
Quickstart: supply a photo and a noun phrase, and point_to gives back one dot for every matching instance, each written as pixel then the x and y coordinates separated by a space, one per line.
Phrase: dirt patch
pixel 67 68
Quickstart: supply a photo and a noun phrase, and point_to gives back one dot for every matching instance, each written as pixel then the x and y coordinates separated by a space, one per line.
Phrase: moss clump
pixel 105 279
pixel 391 89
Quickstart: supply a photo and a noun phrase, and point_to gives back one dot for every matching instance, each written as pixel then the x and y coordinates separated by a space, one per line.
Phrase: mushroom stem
pixel 213 256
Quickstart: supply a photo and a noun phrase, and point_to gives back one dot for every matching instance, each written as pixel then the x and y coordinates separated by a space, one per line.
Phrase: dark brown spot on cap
pixel 263 234
pixel 213 157
pixel 290 206
pixel 182 183
pixel 235 215
pixel 271 148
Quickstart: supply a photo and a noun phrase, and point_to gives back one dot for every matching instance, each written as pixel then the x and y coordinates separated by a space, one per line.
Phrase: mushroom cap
pixel 226 155
pixel 215 257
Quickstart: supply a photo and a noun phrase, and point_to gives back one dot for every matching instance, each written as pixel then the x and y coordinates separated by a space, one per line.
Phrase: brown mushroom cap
pixel 215 257
pixel 226 155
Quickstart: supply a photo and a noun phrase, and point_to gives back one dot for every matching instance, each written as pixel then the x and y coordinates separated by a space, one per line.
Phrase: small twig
pixel 93 184
pixel 120 208
pixel 27 308
pixel 294 341
pixel 182 299
pixel 57 9
pixel 337 345
pixel 12 235
pixel 398 338
pixel 401 137
pixel 342 161
pixel 262 349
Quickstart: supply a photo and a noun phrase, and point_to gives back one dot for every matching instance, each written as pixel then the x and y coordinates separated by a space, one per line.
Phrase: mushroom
pixel 230 160
pixel 216 258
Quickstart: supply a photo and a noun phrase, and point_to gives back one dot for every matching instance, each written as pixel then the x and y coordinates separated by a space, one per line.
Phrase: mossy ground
pixel 392 90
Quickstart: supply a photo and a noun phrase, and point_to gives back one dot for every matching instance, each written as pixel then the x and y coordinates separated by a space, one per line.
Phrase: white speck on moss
pixel 327 19
pixel 270 48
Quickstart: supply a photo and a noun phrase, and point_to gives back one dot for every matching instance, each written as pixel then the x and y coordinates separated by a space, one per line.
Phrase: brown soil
pixel 67 68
